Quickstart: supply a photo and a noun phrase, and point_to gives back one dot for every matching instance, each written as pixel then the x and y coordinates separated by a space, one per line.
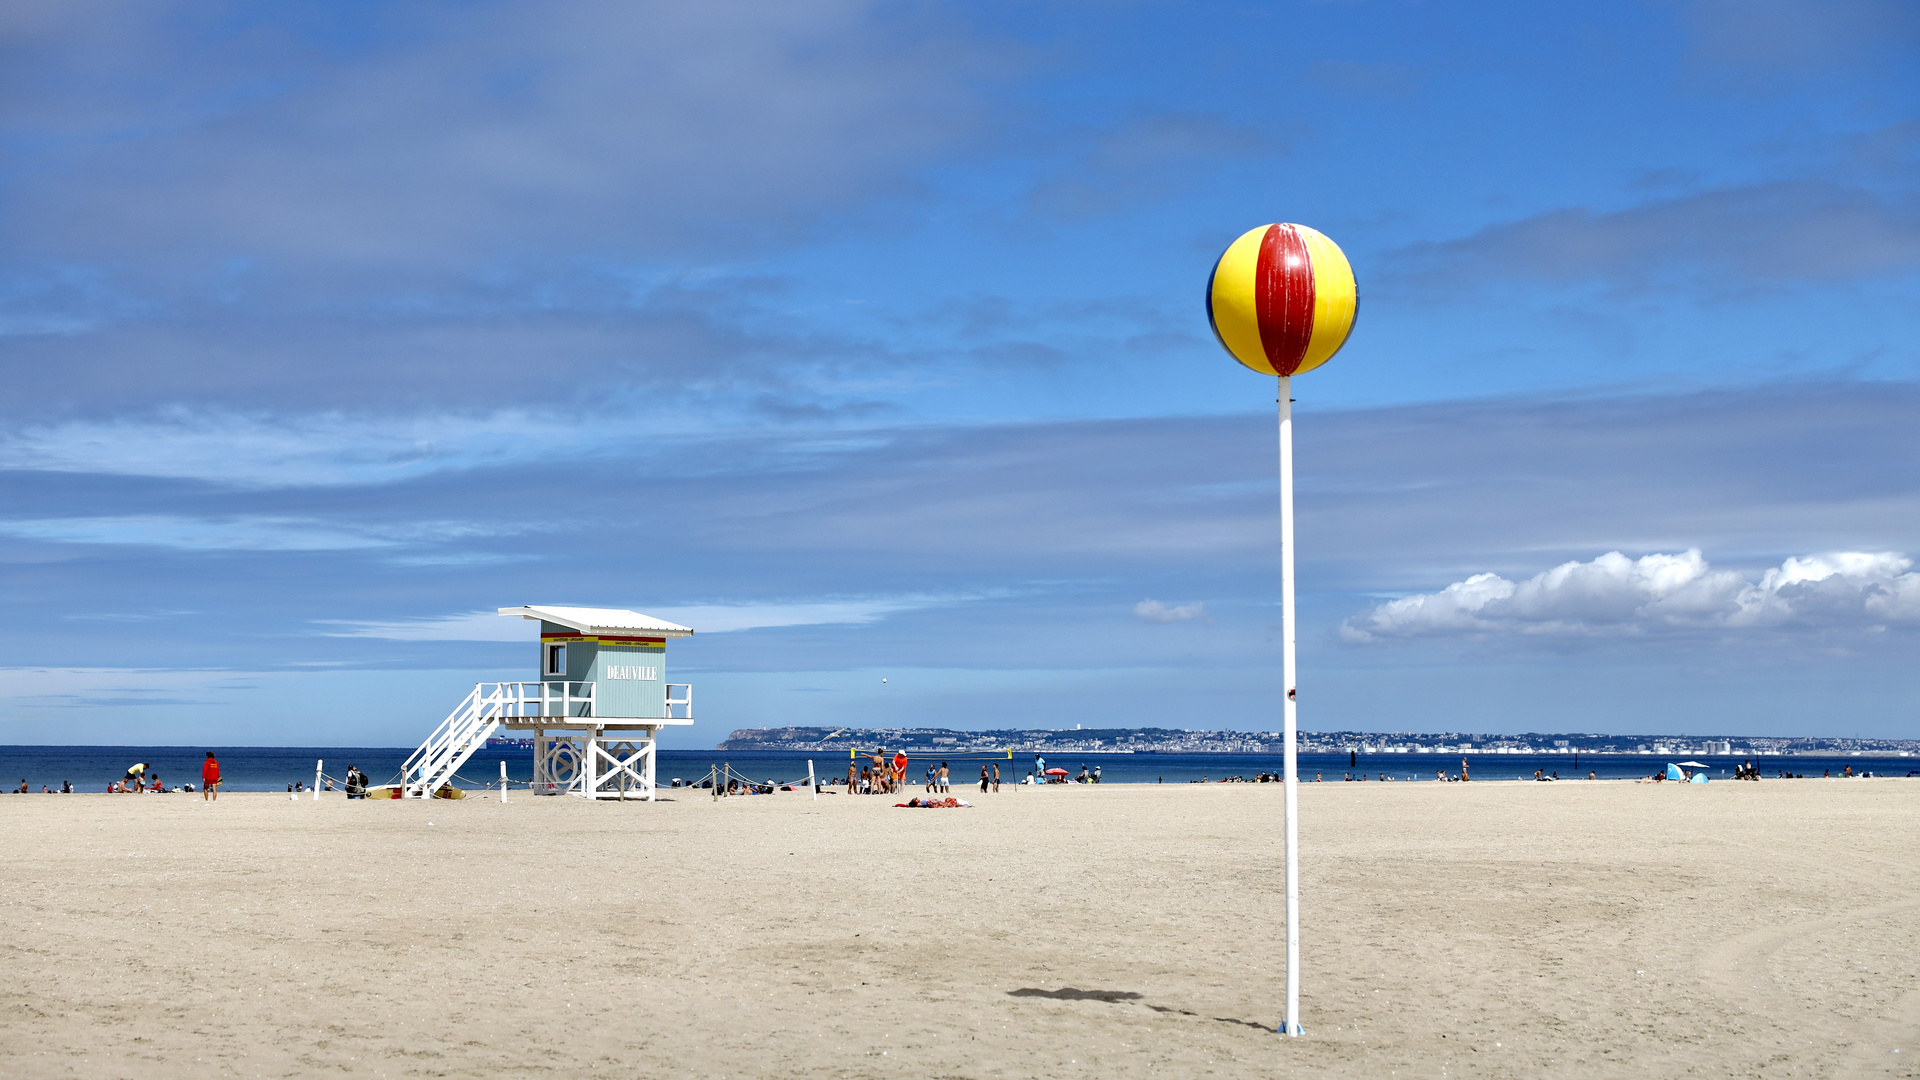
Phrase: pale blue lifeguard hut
pixel 595 713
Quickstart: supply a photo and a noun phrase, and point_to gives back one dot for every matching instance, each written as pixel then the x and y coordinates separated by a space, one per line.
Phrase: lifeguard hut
pixel 594 714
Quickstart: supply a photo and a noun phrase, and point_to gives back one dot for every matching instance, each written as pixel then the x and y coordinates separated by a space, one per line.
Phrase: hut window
pixel 556 659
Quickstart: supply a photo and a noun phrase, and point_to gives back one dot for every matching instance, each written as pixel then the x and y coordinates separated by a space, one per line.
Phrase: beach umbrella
pixel 1694 765
pixel 1282 301
pixel 1056 772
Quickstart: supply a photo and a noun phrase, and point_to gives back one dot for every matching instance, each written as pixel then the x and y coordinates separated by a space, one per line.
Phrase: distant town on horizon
pixel 1178 740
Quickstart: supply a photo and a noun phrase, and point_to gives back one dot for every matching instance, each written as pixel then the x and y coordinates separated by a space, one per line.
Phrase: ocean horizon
pixel 275 768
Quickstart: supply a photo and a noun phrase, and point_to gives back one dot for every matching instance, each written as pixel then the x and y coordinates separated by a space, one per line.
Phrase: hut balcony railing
pixel 680 705
pixel 521 699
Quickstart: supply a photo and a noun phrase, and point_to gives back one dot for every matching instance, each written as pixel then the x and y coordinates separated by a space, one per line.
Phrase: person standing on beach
pixel 944 789
pixel 210 779
pixel 984 780
pixel 996 778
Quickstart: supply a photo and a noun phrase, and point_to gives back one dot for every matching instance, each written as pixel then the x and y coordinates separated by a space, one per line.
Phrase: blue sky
pixel 868 339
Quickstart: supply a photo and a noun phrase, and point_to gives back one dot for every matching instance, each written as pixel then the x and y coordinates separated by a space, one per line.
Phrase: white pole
pixel 588 764
pixel 1289 707
pixel 316 777
pixel 652 767
pixel 503 781
pixel 811 786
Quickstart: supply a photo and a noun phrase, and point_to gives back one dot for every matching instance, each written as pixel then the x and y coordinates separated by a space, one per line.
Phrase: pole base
pixel 1297 1030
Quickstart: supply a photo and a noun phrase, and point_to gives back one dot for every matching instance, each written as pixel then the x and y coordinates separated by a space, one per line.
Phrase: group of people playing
pixel 143 778
pixel 884 776
pixel 880 776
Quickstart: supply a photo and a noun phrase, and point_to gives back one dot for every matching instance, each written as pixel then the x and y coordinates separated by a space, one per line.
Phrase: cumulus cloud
pixel 1616 596
pixel 1155 611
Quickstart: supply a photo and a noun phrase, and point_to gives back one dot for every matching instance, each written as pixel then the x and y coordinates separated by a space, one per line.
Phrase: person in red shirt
pixel 210 779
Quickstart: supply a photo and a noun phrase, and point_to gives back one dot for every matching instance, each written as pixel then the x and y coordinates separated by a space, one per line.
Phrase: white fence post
pixel 503 781
pixel 316 777
pixel 811 786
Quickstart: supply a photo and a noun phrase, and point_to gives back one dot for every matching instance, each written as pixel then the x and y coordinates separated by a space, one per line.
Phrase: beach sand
pixel 1485 929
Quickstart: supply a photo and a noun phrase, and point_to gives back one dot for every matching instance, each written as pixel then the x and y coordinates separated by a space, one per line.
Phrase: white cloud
pixel 503 127
pixel 248 532
pixel 1155 611
pixel 725 618
pixel 237 534
pixel 471 626
pixel 704 618
pixel 1616 596
pixel 259 450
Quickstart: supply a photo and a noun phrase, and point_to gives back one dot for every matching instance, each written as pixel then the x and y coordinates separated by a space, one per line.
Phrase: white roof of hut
pixel 600 620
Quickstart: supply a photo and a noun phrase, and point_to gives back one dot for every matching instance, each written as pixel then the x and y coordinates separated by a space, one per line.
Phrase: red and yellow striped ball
pixel 1282 299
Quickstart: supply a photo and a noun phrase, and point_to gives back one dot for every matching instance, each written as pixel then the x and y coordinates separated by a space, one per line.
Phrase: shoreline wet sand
pixel 1588 928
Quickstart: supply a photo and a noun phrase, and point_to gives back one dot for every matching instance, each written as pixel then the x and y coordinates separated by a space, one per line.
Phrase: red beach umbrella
pixel 1056 772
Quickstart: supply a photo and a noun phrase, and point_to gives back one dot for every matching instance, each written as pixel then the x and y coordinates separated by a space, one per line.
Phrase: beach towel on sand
pixel 948 803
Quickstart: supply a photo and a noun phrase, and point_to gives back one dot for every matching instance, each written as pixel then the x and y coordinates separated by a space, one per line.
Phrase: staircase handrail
pixel 458 737
pixel 414 761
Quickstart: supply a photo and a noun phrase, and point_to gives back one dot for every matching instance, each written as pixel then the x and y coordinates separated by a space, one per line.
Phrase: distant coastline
pixel 1178 740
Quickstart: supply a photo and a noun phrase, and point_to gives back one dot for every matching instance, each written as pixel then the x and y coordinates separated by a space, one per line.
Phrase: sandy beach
pixel 1487 929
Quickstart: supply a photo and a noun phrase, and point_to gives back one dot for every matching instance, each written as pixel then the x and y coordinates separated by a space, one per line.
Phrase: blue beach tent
pixel 1699 772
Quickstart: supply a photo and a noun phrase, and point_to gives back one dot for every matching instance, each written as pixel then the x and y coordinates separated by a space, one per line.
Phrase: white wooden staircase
pixel 473 721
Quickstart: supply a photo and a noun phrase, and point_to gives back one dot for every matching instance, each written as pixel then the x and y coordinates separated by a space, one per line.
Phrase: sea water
pixel 275 768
